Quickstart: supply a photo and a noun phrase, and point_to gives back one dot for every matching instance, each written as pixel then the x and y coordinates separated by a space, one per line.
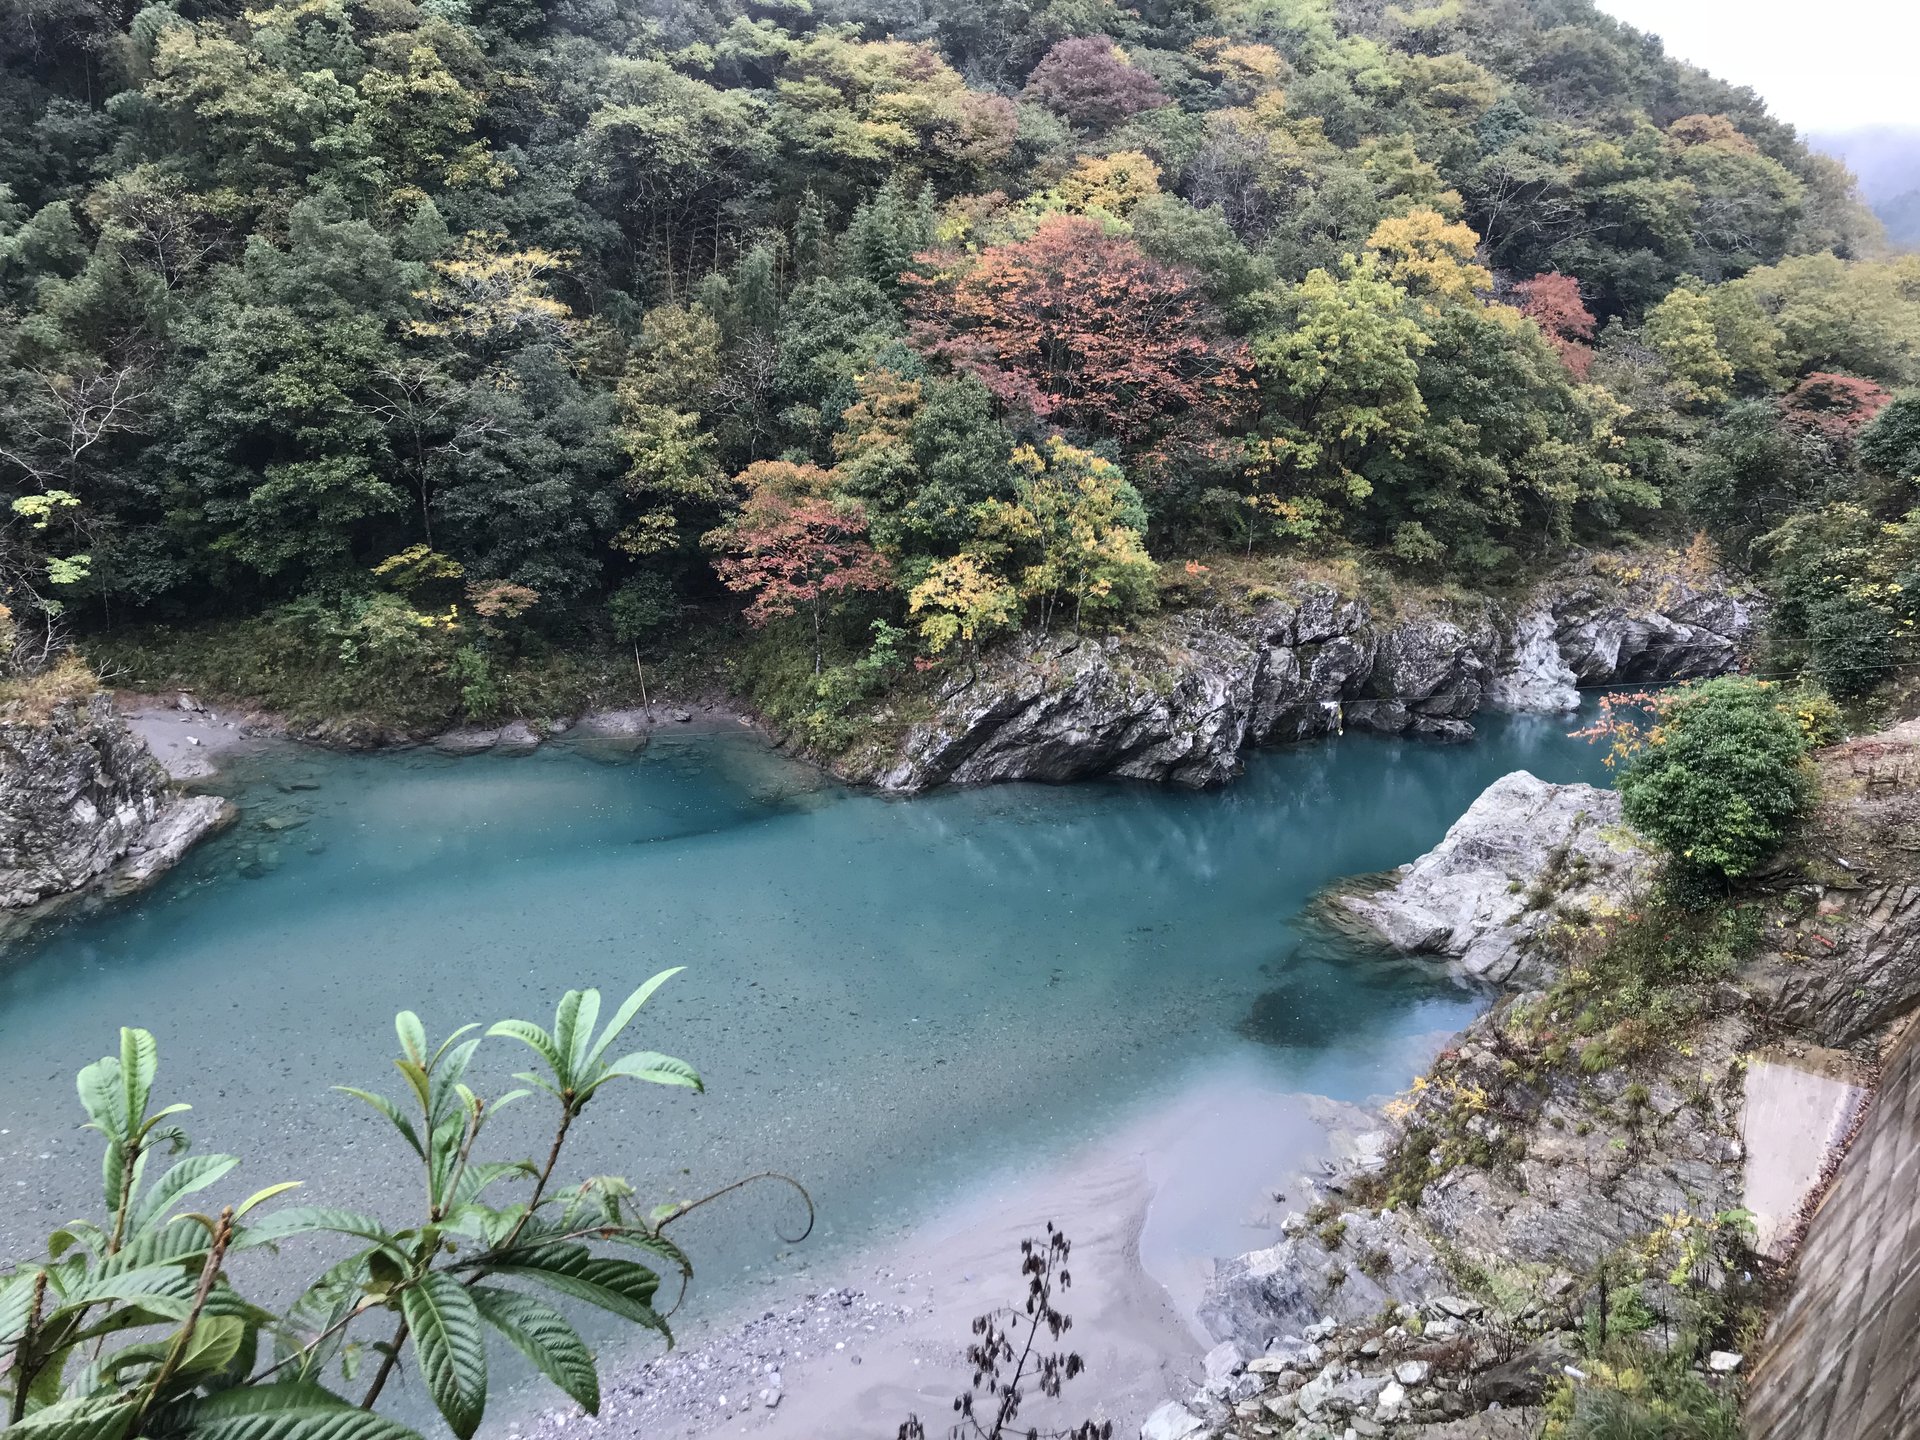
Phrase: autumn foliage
pixel 1082 329
pixel 792 552
pixel 1554 303
pixel 1089 82
pixel 1834 407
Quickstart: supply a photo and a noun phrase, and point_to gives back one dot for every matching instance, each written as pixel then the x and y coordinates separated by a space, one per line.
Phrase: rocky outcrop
pixel 1181 698
pixel 181 825
pixel 1534 1163
pixel 1525 856
pixel 1347 1269
pixel 82 800
pixel 1848 963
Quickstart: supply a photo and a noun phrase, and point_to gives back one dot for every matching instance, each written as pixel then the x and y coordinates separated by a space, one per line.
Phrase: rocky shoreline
pixel 1183 697
pixel 1445 1282
pixel 86 809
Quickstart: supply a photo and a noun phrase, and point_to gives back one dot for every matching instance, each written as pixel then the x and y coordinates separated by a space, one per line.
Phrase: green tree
pixel 1340 379
pixel 1075 532
pixel 1722 779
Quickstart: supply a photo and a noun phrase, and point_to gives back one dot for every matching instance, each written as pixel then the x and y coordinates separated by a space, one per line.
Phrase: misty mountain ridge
pixel 1886 158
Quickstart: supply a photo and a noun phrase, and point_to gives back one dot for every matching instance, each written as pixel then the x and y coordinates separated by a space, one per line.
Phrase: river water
pixel 892 1000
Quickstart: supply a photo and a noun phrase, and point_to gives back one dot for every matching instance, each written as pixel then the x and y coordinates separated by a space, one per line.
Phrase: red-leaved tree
pixel 1083 329
pixel 793 553
pixel 1090 83
pixel 1553 302
pixel 1834 407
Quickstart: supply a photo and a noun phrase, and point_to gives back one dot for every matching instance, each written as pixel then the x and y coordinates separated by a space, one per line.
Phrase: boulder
pixel 1374 1260
pixel 1481 897
pixel 77 790
pixel 1173 1421
pixel 466 740
pixel 1523 1379
pixel 1223 1362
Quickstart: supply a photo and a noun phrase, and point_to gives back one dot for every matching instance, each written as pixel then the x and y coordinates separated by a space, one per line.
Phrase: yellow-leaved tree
pixel 963 599
pixel 1076 528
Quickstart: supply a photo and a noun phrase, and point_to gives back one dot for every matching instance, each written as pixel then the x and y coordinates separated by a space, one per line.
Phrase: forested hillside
pixel 437 340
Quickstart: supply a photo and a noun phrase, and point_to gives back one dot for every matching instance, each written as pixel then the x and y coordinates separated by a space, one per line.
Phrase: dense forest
pixel 438 339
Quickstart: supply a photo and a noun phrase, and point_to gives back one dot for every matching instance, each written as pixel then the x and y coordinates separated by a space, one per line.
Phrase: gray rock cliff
pixel 80 795
pixel 1181 698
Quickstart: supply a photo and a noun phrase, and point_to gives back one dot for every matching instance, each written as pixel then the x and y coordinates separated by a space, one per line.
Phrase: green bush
pixel 134 1324
pixel 1722 779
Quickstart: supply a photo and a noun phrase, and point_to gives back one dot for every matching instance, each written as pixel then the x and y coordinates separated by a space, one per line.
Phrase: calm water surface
pixel 889 999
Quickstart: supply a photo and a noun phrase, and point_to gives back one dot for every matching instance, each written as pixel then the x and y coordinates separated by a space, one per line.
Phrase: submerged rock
pixel 1525 852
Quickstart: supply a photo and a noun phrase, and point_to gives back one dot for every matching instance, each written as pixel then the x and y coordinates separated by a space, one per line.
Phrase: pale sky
pixel 1831 65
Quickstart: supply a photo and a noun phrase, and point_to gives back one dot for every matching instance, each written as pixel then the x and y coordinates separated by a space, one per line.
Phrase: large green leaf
pixel 452 1068
pixel 328 1300
pixel 99 1087
pixel 413 1036
pixel 101 1418
pixel 139 1063
pixel 216 1339
pixel 628 1009
pixel 293 1411
pixel 479 1175
pixel 623 1287
pixel 314 1220
pixel 530 1035
pixel 542 1334
pixel 571 1037
pixel 181 1241
pixel 657 1069
pixel 445 1323
pixel 194 1173
pixel 387 1108
pixel 16 1304
pixel 147 1284
pixel 655 1245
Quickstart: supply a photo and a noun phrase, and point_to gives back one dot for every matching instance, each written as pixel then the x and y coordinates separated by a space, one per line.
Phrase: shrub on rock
pixel 1722 778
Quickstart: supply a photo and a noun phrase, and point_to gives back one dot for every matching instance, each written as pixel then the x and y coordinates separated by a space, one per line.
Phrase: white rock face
pixel 1533 675
pixel 1172 1421
pixel 160 847
pixel 1484 894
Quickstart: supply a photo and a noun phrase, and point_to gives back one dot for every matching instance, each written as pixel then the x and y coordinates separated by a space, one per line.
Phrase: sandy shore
pixel 1203 1174
pixel 189 744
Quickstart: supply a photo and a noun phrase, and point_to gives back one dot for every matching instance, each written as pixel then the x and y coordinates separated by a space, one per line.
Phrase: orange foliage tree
pixel 1833 407
pixel 1554 303
pixel 793 552
pixel 1082 329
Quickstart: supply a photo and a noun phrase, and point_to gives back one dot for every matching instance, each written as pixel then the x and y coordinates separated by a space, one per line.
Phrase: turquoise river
pixel 894 1000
